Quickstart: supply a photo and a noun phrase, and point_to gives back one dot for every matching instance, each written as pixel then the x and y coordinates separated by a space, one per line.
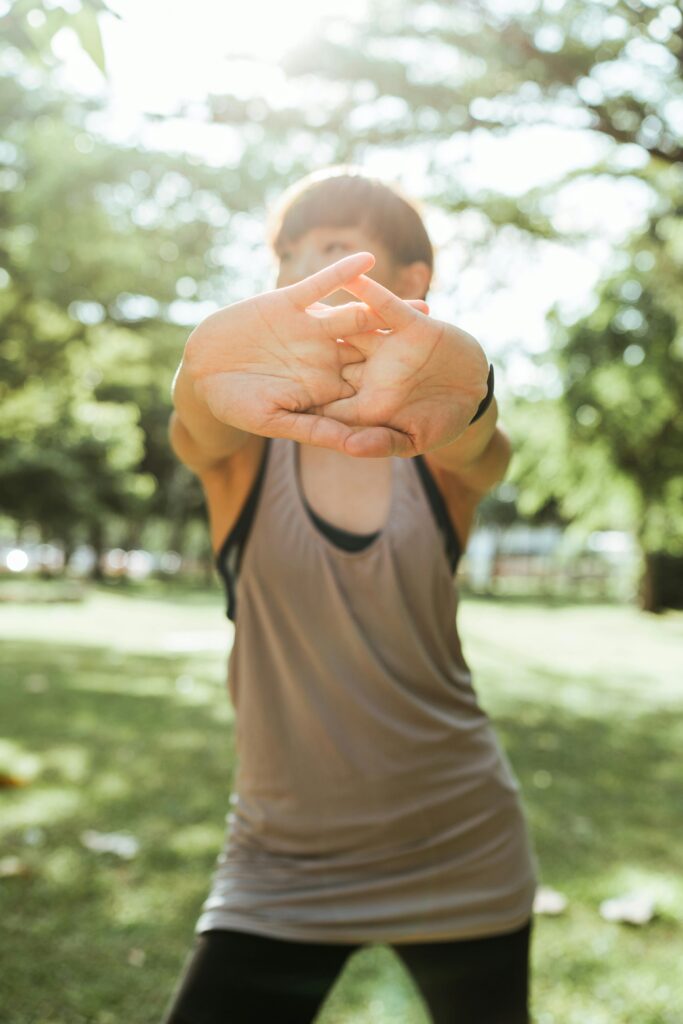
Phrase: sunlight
pixel 161 55
pixel 166 60
pixel 268 28
pixel 171 54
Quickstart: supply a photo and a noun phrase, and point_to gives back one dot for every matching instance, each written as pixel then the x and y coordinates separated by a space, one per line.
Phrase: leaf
pixel 86 27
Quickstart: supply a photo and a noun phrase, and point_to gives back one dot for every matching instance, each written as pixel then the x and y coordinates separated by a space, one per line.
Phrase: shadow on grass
pixel 602 793
pixel 119 747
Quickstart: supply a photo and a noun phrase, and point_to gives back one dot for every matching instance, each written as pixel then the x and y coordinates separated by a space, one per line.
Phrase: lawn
pixel 114 714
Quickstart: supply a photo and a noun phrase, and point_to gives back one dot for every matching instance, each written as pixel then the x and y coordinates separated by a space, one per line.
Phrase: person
pixel 344 438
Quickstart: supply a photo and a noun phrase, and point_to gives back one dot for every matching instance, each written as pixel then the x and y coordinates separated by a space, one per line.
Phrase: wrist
pixel 487 399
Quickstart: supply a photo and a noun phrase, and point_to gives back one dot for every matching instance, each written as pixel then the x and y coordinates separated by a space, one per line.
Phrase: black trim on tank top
pixel 441 513
pixel 349 540
pixel 229 557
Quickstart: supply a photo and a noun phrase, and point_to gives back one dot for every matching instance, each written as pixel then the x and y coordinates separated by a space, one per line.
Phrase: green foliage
pixel 609 451
pixel 425 76
pixel 31 26
pixel 561 480
pixel 92 247
pixel 97 242
pixel 623 377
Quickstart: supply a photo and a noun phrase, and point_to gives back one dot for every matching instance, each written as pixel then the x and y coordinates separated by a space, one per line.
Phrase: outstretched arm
pixel 479 458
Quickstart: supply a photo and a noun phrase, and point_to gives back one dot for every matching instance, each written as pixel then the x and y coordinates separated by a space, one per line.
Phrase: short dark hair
pixel 343 196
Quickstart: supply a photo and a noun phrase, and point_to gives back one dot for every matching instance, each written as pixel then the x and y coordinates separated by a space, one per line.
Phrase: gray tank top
pixel 372 801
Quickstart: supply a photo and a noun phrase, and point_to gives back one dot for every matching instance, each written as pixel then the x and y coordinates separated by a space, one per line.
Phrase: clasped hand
pixel 372 378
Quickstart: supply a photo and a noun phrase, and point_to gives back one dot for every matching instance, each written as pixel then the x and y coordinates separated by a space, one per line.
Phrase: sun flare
pixel 268 28
pixel 207 30
pixel 161 53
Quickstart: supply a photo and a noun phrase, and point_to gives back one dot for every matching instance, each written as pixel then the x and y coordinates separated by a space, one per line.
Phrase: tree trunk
pixel 133 534
pixel 662 581
pixel 69 545
pixel 96 538
pixel 648 594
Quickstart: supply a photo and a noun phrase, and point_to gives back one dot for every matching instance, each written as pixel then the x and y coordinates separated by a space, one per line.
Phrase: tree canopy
pixel 109 252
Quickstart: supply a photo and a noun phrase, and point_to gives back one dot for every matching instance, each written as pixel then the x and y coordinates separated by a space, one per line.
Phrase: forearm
pixel 480 456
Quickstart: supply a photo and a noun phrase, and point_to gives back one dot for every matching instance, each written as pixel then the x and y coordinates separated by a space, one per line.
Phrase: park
pixel 540 142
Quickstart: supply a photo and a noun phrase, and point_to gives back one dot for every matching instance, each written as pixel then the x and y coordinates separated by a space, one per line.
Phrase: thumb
pixel 344 410
pixel 378 442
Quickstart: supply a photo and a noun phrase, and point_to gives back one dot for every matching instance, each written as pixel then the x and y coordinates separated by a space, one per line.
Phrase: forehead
pixel 323 230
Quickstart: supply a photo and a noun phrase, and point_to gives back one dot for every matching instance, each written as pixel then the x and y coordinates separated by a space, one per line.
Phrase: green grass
pixel 115 713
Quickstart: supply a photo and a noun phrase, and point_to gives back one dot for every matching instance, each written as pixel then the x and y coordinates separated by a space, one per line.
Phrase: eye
pixel 284 256
pixel 336 245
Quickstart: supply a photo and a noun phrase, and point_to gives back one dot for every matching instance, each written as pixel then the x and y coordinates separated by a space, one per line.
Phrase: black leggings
pixel 238 978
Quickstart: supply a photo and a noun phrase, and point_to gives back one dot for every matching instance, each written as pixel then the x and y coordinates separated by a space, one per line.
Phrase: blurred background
pixel 141 145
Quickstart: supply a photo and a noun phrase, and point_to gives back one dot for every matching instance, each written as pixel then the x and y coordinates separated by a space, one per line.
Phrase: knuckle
pixel 362 320
pixel 192 354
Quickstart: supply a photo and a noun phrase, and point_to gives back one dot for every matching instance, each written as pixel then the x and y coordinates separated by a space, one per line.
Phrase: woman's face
pixel 320 247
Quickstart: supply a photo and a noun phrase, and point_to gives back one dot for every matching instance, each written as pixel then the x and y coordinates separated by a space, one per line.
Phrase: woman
pixel 343 452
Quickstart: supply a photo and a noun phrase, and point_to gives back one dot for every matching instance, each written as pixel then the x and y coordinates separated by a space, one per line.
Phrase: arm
pixel 479 458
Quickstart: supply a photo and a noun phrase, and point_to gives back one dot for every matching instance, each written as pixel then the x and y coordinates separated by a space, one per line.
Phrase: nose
pixel 309 262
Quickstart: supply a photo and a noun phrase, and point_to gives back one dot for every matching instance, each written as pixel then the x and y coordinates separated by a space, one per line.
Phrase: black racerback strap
pixel 229 557
pixel 441 513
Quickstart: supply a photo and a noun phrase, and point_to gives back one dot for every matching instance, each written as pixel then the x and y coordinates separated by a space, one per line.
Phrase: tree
pixel 434 74
pixel 426 77
pixel 30 26
pixel 97 249
pixel 622 370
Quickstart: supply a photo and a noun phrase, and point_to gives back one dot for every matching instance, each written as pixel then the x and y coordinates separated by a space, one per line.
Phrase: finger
pixel 378 442
pixel 307 428
pixel 348 353
pixel 351 318
pixel 353 375
pixel 346 409
pixel 395 312
pixel 328 280
pixel 370 442
pixel 367 342
pixel 418 304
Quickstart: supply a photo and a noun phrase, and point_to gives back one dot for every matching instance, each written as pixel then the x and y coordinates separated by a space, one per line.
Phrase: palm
pixel 270 368
pixel 422 381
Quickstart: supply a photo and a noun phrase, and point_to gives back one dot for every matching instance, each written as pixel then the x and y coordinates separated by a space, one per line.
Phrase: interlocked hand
pixel 372 378
pixel 419 384
pixel 263 364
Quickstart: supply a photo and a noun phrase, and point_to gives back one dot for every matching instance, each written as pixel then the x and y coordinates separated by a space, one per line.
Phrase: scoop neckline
pixel 310 525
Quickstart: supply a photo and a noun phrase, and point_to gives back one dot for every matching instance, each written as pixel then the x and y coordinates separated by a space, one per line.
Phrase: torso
pixel 350 493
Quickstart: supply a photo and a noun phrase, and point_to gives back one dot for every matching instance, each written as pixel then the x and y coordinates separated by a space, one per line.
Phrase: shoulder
pixel 227 485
